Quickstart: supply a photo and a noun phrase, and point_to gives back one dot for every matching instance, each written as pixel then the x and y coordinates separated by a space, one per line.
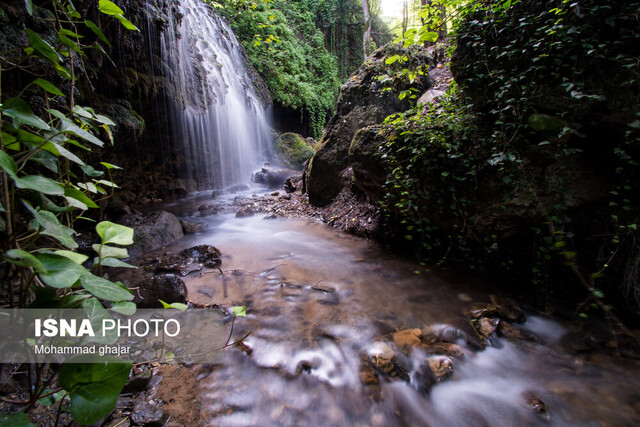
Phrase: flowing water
pixel 317 300
pixel 215 114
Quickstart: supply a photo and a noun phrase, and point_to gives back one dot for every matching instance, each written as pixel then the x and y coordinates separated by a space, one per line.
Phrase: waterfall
pixel 216 116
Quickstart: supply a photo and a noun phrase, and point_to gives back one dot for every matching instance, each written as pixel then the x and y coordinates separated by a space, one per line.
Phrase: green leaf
pixel 105 251
pixel 93 27
pixel 126 23
pixel 126 308
pixel 24 259
pixel 104 120
pixel 40 183
pixel 176 305
pixel 62 272
pixel 111 232
pixel 8 165
pixel 17 419
pixel 67 126
pixel 69 33
pixel 109 165
pixel 114 262
pixel 90 171
pixel 73 256
pixel 94 387
pixel 239 310
pixel 109 8
pixel 48 86
pixel 104 289
pixel 70 43
pixel 80 196
pixel 19 110
pixel 52 227
pixel 44 48
pixel 82 112
pixel 28 4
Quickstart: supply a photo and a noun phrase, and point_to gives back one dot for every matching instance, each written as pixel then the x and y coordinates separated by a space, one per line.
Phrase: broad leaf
pixel 126 308
pixel 44 48
pixel 67 126
pixel 114 262
pixel 80 196
pixel 177 305
pixel 94 387
pixel 126 23
pixel 93 27
pixel 115 233
pixel 40 183
pixel 28 4
pixel 105 251
pixel 8 165
pixel 48 86
pixel 62 272
pixel 73 256
pixel 109 165
pixel 109 8
pixel 104 289
pixel 239 310
pixel 17 419
pixel 24 259
pixel 19 110
pixel 69 33
pixel 52 226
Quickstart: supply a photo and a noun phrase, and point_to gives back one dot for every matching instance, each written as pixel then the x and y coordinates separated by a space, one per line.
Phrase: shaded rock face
pixel 293 150
pixel 363 101
pixel 152 231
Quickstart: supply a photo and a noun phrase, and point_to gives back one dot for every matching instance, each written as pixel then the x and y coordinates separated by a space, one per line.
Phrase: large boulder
pixel 364 100
pixel 293 150
pixel 273 178
pixel 152 231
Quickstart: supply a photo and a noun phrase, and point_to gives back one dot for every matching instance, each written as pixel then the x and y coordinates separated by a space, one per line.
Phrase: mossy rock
pixel 293 150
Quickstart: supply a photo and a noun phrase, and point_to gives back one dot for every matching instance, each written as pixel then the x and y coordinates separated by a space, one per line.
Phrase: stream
pixel 319 300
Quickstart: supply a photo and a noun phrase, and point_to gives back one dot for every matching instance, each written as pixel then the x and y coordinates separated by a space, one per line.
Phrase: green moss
pixel 293 150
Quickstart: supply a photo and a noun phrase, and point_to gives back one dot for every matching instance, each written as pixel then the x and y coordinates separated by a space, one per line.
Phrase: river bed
pixel 319 305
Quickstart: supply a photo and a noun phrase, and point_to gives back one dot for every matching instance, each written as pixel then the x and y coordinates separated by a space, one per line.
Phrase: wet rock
pixel 272 178
pixel 166 287
pixel 443 332
pixel 236 188
pixel 432 371
pixel 507 330
pixel 192 227
pixel 275 193
pixel 246 211
pixel 138 382
pixel 408 338
pixel 153 231
pixel 177 264
pixel 383 357
pixel 144 413
pixel 367 374
pixel 207 255
pixel 442 367
pixel 448 349
pixel 289 185
pixel 507 309
pixel 272 216
pixel 486 326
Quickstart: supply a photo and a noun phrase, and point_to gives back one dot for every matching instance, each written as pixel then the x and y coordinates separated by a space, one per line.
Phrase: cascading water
pixel 216 116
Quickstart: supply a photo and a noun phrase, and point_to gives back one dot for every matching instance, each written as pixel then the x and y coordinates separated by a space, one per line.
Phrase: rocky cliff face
pixel 364 100
pixel 552 156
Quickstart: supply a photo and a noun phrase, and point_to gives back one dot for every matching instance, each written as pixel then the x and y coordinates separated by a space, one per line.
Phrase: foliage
pixel 552 82
pixel 289 53
pixel 93 387
pixel 46 187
